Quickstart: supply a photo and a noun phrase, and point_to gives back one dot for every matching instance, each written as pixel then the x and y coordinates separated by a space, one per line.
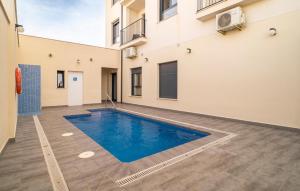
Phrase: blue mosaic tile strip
pixel 29 102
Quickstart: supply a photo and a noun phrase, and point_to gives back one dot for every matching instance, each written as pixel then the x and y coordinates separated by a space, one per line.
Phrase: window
pixel 168 80
pixel 168 8
pixel 60 79
pixel 116 32
pixel 136 81
pixel 114 1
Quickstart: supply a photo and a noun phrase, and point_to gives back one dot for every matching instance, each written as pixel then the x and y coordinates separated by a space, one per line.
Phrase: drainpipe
pixel 121 76
pixel 16 12
pixel 121 39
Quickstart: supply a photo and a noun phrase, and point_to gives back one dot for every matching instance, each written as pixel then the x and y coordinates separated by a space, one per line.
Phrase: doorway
pixel 109 84
pixel 75 88
pixel 114 87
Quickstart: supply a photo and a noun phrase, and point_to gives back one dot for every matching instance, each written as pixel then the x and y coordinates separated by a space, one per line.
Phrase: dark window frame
pixel 136 71
pixel 114 1
pixel 163 10
pixel 60 72
pixel 114 86
pixel 115 38
pixel 161 94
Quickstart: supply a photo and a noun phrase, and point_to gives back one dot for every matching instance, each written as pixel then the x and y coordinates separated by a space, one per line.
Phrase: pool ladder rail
pixel 108 98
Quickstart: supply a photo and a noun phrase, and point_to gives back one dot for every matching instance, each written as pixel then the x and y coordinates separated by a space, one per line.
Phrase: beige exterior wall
pixel 247 75
pixel 8 98
pixel 35 51
pixel 113 12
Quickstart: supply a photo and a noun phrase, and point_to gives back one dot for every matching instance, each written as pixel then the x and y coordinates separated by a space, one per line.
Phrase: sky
pixel 81 21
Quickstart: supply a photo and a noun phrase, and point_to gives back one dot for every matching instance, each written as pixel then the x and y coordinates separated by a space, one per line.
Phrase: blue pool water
pixel 130 137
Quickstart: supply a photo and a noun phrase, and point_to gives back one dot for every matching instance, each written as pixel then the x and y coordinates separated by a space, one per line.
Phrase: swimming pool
pixel 130 137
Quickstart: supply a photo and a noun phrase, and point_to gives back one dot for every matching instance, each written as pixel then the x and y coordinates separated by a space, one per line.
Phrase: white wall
pixel 246 75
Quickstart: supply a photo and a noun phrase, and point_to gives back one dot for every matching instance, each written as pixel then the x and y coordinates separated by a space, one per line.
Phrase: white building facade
pixel 175 58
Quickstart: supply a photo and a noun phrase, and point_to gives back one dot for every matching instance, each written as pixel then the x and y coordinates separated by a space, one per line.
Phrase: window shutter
pixel 168 80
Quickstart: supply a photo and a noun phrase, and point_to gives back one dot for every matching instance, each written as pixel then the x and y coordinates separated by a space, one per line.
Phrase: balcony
pixel 207 9
pixel 203 4
pixel 135 5
pixel 134 34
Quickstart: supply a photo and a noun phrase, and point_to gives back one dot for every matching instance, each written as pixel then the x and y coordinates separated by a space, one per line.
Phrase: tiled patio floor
pixel 22 165
pixel 259 158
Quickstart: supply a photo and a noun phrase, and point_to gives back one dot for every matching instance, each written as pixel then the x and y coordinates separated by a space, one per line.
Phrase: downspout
pixel 121 76
pixel 121 39
pixel 16 14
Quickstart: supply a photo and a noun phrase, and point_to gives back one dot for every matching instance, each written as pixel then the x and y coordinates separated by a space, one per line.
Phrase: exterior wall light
pixel 78 61
pixel 146 59
pixel 19 28
pixel 91 59
pixel 188 50
pixel 50 55
pixel 273 31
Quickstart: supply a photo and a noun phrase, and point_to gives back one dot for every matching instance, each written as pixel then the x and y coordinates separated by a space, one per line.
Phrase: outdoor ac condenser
pixel 229 20
pixel 130 52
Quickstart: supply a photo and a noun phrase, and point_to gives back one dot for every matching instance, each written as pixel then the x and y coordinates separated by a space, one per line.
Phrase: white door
pixel 75 89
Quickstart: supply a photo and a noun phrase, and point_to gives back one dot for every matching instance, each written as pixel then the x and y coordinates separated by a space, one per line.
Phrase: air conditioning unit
pixel 231 19
pixel 130 52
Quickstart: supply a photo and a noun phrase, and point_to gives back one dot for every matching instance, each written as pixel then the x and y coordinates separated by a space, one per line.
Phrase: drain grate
pixel 139 175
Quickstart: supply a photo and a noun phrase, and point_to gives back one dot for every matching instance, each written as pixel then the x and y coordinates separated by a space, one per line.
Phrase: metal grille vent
pixel 129 179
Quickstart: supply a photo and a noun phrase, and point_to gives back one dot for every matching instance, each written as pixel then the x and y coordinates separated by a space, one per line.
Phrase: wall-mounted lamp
pixel 19 28
pixel 78 61
pixel 146 59
pixel 188 50
pixel 273 31
pixel 50 55
pixel 91 59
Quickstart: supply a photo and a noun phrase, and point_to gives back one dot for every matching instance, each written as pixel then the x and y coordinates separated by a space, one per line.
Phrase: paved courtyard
pixel 258 158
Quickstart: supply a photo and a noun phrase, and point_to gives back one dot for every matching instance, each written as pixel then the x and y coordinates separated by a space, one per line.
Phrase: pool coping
pixel 153 163
pixel 131 114
pixel 120 173
pixel 200 143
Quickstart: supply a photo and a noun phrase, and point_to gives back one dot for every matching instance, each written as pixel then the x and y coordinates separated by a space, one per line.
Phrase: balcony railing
pixel 133 31
pixel 203 4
